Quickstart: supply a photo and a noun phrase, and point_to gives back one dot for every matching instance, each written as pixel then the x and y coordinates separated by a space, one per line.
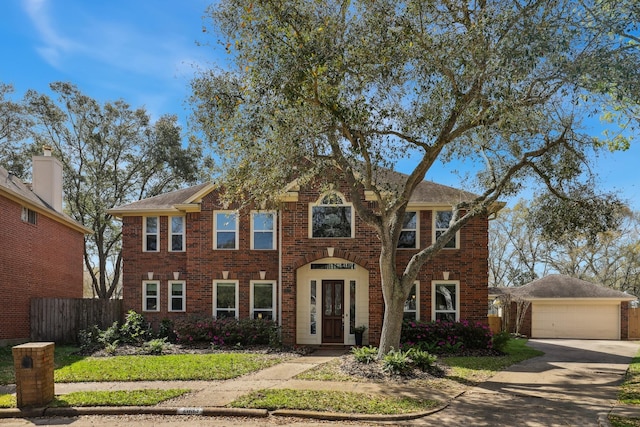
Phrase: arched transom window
pixel 331 217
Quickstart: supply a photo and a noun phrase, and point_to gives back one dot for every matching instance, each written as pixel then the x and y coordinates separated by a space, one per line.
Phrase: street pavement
pixel 574 383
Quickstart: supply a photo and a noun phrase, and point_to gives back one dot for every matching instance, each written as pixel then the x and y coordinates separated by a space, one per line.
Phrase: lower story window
pixel 412 304
pixel 263 297
pixel 177 296
pixel 445 301
pixel 151 295
pixel 225 299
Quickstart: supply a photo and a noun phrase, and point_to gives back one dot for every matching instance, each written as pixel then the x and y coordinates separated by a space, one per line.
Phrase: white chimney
pixel 47 179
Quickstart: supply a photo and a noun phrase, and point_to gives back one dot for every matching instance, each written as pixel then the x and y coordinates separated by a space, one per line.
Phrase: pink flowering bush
pixel 446 337
pixel 225 332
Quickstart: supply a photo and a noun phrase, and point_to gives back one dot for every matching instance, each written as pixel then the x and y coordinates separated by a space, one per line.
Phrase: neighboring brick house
pixel 312 265
pixel 42 248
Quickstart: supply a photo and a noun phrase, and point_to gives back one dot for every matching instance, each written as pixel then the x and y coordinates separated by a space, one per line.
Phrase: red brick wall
pixel 201 265
pixel 42 260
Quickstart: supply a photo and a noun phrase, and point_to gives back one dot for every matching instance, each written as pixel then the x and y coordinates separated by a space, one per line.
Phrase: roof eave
pixel 50 213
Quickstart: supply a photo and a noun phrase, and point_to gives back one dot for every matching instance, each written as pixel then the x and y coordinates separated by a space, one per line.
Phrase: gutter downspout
pixel 280 270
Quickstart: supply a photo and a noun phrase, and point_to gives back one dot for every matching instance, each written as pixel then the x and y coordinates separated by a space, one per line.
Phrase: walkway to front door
pixel 333 312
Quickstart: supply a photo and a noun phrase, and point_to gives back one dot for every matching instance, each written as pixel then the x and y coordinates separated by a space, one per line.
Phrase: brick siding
pixel 42 260
pixel 200 265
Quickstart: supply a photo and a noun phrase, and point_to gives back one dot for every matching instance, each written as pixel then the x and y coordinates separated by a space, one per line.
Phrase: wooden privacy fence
pixel 634 323
pixel 60 319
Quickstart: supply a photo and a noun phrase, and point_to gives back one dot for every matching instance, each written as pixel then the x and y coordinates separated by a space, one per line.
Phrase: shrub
pixel 89 340
pixel 135 330
pixel 228 331
pixel 397 362
pixel 500 340
pixel 165 330
pixel 441 337
pixel 366 354
pixel 155 346
pixel 110 335
pixel 110 348
pixel 422 359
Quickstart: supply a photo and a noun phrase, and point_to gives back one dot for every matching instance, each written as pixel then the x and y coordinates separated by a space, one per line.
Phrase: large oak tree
pixel 112 154
pixel 501 85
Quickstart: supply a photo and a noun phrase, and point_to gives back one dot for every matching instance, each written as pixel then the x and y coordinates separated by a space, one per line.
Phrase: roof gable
pixel 13 188
pixel 171 202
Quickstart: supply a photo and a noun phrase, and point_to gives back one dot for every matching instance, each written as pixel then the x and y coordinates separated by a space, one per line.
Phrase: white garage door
pixel 572 320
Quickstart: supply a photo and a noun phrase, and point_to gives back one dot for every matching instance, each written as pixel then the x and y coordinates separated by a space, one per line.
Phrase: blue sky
pixel 145 52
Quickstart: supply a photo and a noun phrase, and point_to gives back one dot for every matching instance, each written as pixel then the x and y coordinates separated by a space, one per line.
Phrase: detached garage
pixel 564 307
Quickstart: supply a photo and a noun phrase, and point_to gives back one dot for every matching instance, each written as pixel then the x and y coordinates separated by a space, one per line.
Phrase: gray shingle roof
pixel 426 192
pixel 561 286
pixel 164 201
pixel 13 187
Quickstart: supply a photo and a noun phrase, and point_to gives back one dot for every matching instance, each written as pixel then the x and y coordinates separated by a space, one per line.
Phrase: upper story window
pixel 442 219
pixel 29 216
pixel 263 230
pixel 151 235
pixel 409 234
pixel 332 217
pixel 176 234
pixel 225 226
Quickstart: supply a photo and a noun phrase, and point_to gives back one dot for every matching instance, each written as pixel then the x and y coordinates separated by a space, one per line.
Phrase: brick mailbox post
pixel 33 364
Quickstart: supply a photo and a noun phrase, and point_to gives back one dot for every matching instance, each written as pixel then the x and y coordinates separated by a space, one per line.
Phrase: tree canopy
pixel 500 84
pixel 111 153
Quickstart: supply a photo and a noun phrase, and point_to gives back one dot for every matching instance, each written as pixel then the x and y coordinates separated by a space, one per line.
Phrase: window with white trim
pixel 225 299
pixel 225 230
pixel 177 295
pixel 446 301
pixel 151 234
pixel 263 300
pixel 176 234
pixel 263 230
pixel 441 221
pixel 29 216
pixel 412 304
pixel 331 217
pixel 409 234
pixel 151 295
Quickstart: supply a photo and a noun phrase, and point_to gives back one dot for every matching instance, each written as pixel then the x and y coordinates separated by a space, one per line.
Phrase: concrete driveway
pixel 575 383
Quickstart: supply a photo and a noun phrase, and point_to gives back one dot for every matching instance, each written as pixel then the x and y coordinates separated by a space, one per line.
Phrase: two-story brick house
pixel 42 247
pixel 312 265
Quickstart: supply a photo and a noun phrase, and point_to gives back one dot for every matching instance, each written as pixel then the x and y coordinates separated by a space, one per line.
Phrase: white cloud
pixel 54 44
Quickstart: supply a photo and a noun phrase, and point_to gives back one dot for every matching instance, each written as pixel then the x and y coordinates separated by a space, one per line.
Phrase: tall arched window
pixel 331 217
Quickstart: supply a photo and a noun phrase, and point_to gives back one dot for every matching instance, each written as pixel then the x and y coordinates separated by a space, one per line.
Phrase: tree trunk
pixel 391 326
pixel 394 297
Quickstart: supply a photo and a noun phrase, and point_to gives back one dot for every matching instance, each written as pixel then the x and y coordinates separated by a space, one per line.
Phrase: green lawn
pixel 207 367
pixel 629 393
pixel 74 368
pixel 332 401
pixel 147 397
pixel 473 370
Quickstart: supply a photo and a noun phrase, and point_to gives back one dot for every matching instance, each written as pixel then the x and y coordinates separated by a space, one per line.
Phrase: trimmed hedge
pixel 226 332
pixel 446 337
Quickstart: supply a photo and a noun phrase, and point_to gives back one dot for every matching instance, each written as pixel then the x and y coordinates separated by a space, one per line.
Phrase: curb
pixel 131 410
pixel 207 412
pixel 341 416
